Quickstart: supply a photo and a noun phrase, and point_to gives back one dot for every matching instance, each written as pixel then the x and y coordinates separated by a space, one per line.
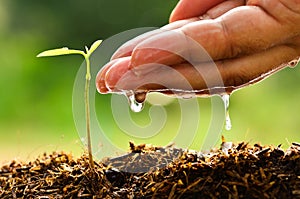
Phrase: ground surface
pixel 233 171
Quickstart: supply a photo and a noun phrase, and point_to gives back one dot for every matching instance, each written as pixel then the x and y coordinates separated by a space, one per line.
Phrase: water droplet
pixel 293 63
pixel 225 99
pixel 140 97
pixel 136 101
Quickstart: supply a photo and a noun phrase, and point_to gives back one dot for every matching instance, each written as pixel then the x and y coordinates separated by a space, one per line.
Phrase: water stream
pixel 225 99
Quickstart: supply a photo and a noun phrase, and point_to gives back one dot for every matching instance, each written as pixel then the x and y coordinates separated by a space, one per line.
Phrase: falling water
pixel 225 99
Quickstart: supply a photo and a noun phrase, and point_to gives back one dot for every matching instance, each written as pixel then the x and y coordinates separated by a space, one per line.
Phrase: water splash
pixel 225 99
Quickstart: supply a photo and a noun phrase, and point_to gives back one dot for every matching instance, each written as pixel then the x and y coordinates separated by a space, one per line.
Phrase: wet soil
pixel 231 171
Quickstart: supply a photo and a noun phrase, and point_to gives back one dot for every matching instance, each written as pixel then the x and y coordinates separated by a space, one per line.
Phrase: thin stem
pixel 88 66
pixel 87 110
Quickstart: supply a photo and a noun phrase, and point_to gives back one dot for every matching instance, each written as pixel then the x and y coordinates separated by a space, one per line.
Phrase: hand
pixel 245 40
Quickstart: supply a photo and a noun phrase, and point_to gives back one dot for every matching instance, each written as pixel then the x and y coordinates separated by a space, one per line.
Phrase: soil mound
pixel 232 171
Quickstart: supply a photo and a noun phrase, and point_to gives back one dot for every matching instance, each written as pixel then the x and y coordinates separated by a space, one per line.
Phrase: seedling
pixel 86 55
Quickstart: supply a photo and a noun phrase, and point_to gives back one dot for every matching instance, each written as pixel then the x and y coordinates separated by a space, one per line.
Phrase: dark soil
pixel 233 171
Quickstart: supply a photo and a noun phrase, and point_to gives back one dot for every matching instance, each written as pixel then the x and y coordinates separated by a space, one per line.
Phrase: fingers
pixel 127 48
pixel 228 74
pixel 192 8
pixel 224 37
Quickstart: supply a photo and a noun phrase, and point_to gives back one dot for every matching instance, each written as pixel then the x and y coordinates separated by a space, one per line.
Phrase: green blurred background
pixel 36 94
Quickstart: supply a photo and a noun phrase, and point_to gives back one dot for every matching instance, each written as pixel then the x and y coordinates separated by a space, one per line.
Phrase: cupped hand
pixel 246 40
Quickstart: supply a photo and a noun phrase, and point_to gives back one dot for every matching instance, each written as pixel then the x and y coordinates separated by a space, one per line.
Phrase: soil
pixel 231 171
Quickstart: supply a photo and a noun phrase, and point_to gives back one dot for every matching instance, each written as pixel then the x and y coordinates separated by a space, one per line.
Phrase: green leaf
pixel 94 46
pixel 59 51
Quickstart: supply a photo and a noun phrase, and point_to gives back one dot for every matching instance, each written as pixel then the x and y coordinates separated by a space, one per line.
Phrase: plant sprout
pixel 86 55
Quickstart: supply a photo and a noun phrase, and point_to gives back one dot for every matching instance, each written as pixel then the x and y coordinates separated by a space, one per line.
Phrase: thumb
pixel 192 8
